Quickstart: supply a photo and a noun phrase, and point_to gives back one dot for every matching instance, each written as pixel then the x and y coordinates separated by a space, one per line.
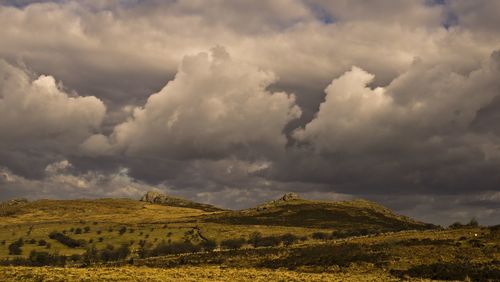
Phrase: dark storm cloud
pixel 113 98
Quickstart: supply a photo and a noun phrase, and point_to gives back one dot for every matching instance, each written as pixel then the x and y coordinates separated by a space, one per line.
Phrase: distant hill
pixel 291 210
pixel 163 199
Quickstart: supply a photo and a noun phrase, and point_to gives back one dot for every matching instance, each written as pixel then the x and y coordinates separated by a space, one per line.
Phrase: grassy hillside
pixel 289 237
pixel 354 215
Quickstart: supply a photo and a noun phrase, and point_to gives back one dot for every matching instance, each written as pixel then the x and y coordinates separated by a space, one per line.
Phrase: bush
pixel 254 239
pixel 208 245
pixel 320 236
pixel 164 248
pixel 86 229
pixel 32 241
pixel 122 230
pixel 289 239
pixel 42 242
pixel 43 258
pixel 456 225
pixel 232 244
pixel 66 240
pixel 111 254
pixel 257 240
pixel 78 230
pixel 15 247
pixel 473 223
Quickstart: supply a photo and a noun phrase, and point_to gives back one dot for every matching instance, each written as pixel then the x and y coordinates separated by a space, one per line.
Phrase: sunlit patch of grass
pixel 209 273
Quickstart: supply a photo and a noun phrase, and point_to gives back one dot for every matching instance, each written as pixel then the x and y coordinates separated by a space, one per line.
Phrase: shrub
pixel 32 241
pixel 320 236
pixel 232 244
pixel 66 240
pixel 208 245
pixel 75 257
pixel 111 254
pixel 86 229
pixel 269 241
pixel 289 239
pixel 99 232
pixel 473 223
pixel 15 247
pixel 3 242
pixel 43 258
pixel 122 230
pixel 100 239
pixel 42 242
pixel 254 239
pixel 164 248
pixel 78 230
pixel 456 225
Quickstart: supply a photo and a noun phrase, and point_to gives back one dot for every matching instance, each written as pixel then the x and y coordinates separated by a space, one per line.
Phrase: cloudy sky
pixel 236 102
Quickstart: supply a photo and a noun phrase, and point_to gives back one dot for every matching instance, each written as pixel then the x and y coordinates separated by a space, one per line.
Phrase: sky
pixel 236 102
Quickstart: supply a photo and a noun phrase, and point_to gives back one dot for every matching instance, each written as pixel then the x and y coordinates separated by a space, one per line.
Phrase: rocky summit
pixel 163 199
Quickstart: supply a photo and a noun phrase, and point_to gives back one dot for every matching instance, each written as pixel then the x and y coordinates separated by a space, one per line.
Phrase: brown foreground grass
pixel 207 273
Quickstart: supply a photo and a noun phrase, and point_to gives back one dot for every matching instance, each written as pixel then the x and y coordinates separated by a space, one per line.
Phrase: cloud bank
pixel 235 102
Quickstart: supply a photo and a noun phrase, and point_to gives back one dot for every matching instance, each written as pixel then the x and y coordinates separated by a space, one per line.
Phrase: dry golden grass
pixel 101 210
pixel 211 273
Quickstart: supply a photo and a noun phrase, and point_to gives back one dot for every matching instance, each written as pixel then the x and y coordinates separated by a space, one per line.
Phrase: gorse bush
pixel 43 258
pixel 110 253
pixel 15 247
pixel 257 240
pixel 66 240
pixel 107 254
pixel 122 230
pixel 164 248
pixel 320 236
pixel 232 244
pixel 208 245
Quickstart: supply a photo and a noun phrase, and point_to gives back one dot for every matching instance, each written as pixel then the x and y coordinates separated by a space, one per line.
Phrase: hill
pixel 291 210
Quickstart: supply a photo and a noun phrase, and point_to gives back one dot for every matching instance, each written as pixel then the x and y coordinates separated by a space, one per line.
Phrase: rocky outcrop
pixel 290 197
pixel 163 199
pixel 286 198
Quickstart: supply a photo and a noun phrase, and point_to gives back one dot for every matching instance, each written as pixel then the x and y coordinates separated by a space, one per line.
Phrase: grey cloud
pixel 214 107
pixel 420 121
